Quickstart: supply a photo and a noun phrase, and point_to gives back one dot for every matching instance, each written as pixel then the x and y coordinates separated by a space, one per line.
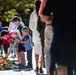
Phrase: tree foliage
pixel 9 7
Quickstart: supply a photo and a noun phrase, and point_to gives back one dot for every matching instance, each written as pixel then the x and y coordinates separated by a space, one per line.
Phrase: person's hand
pixel 17 40
pixel 44 18
pixel 14 35
pixel 22 42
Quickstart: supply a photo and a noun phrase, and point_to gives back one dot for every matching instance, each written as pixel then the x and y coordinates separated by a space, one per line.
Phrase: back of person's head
pixel 16 15
pixel 5 28
pixel 25 29
pixel 4 32
pixel 16 19
pixel 37 5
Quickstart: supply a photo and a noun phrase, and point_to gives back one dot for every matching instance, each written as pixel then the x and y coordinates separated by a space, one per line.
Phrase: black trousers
pixel 5 48
pixel 29 57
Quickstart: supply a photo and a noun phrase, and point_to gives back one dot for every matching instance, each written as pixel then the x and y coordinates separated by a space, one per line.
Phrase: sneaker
pixel 21 66
pixel 37 69
pixel 18 64
pixel 28 66
pixel 41 71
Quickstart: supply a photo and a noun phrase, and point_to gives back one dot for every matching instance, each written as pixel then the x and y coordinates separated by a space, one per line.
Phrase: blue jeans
pixel 29 57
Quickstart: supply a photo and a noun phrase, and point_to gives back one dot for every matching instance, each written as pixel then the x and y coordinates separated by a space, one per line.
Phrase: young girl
pixel 6 41
pixel 13 43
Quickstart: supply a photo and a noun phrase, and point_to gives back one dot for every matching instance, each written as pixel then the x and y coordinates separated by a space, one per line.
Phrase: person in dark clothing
pixel 63 49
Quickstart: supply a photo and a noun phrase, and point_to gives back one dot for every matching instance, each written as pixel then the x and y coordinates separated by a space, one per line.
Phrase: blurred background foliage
pixel 9 7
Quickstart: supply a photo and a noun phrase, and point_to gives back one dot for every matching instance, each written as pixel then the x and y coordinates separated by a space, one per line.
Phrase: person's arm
pixel 26 40
pixel 17 40
pixel 31 24
pixel 45 10
pixel 22 23
pixel 22 42
pixel 9 28
pixel 44 18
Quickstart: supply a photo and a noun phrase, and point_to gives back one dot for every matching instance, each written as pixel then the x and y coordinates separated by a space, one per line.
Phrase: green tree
pixel 9 7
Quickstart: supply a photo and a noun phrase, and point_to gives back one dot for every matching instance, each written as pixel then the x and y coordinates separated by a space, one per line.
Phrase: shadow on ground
pixel 40 74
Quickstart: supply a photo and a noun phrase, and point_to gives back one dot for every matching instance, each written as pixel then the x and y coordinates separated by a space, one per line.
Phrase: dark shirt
pixel 26 37
pixel 28 46
pixel 64 12
pixel 20 28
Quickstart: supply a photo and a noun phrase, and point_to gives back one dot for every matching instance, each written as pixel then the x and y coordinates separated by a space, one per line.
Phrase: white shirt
pixel 33 27
pixel 12 26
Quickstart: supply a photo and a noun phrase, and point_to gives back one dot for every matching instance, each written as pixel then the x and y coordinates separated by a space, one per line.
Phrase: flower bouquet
pixel 6 64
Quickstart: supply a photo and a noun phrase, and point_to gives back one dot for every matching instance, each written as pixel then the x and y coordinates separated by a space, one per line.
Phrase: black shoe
pixel 37 69
pixel 41 71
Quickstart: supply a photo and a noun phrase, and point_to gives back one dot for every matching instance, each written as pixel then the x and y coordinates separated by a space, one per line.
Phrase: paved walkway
pixel 27 71
pixel 20 72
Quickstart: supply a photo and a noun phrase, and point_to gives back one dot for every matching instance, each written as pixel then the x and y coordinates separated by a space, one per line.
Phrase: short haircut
pixel 5 28
pixel 25 29
pixel 4 32
pixel 16 19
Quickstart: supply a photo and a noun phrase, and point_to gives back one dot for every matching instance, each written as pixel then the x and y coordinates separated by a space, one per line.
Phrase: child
pixel 14 34
pixel 28 45
pixel 5 41
pixel 16 22
pixel 21 49
pixel 13 42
